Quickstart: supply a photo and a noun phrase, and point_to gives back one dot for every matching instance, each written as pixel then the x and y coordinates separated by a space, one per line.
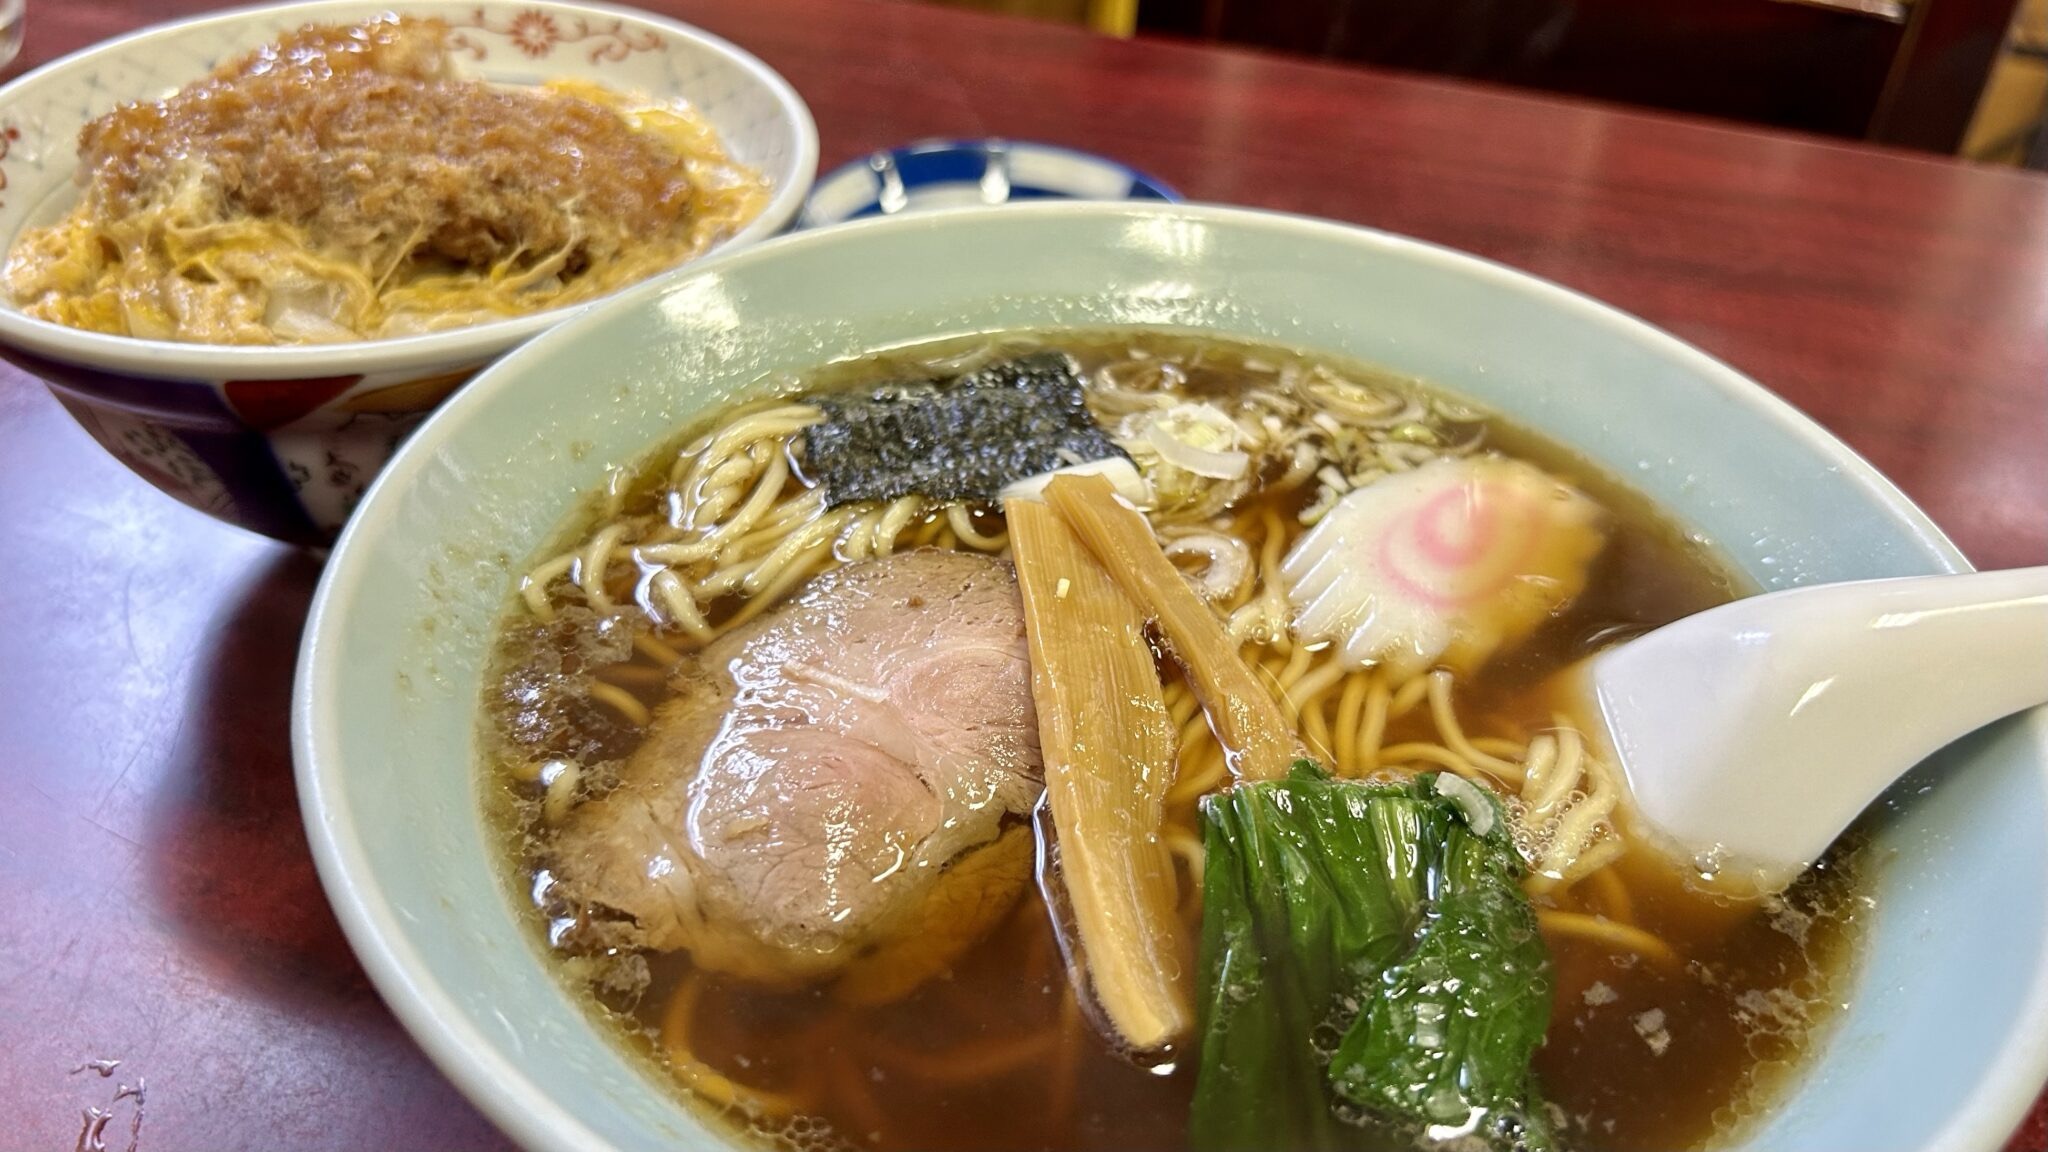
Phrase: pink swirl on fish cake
pixel 1430 529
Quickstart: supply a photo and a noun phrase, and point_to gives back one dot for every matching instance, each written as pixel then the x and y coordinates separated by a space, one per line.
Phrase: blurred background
pixel 1967 77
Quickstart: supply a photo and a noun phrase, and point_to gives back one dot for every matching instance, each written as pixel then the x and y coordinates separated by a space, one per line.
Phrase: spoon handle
pixel 1817 699
pixel 1976 645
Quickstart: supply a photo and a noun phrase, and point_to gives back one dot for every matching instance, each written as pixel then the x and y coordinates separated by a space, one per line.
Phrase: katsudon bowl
pixel 1943 1039
pixel 282 439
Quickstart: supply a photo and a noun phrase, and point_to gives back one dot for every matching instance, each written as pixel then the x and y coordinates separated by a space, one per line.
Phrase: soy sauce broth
pixel 1639 1053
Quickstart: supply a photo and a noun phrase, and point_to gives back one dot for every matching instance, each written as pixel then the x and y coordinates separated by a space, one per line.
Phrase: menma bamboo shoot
pixel 1248 724
pixel 1108 744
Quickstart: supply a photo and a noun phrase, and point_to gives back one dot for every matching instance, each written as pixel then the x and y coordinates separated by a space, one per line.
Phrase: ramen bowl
pixel 1945 1038
pixel 282 440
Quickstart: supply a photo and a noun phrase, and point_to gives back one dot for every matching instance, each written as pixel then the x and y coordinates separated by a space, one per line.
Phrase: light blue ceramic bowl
pixel 1947 1039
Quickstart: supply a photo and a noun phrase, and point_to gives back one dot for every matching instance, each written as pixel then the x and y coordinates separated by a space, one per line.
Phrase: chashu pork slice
pixel 818 768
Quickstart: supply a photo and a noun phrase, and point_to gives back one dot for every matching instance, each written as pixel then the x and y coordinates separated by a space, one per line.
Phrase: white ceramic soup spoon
pixel 1753 733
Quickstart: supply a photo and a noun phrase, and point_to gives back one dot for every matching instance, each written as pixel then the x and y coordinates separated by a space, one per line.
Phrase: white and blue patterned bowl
pixel 283 440
pixel 958 173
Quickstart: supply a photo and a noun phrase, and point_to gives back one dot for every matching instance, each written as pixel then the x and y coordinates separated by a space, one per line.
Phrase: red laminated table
pixel 160 905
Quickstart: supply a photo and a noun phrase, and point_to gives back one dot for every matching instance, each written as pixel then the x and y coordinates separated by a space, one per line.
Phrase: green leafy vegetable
pixel 1371 971
pixel 1446 1035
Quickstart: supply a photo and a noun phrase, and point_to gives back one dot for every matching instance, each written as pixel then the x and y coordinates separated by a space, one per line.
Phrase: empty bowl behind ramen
pixel 1945 1041
pixel 283 439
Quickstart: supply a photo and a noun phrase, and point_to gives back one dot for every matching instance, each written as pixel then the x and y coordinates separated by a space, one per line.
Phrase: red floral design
pixel 8 136
pixel 534 32
pixel 537 33
pixel 269 404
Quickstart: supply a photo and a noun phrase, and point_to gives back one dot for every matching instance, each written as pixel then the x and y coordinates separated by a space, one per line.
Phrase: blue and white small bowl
pixel 959 173
pixel 283 439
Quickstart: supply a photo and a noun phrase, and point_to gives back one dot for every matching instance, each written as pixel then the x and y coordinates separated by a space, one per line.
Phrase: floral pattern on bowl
pixel 538 33
pixel 284 440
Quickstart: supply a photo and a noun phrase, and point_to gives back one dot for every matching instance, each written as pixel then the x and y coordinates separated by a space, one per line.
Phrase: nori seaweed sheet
pixel 958 439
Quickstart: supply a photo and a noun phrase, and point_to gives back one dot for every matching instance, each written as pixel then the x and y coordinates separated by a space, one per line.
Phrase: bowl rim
pixel 184 362
pixel 520 1107
pixel 1153 188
